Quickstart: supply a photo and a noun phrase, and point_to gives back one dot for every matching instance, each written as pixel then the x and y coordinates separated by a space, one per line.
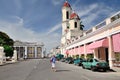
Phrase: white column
pixel 19 54
pixel 36 52
pixel 111 53
pixel 42 55
pixel 26 52
pixel 95 51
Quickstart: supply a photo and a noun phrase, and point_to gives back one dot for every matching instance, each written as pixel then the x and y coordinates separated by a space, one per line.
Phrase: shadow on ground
pixel 110 70
pixel 62 70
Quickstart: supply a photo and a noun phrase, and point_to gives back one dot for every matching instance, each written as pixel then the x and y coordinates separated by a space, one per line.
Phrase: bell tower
pixel 74 21
pixel 70 26
pixel 66 12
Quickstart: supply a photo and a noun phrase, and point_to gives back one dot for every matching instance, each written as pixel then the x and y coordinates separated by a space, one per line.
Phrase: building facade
pixel 101 41
pixel 29 49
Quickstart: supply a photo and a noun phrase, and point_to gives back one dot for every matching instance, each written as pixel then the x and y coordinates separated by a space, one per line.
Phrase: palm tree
pixel 81 25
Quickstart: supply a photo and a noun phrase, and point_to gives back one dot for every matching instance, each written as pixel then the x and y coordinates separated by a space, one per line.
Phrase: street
pixel 40 69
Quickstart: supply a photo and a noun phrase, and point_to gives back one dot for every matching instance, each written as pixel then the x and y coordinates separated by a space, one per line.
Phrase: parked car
pixel 78 61
pixel 59 56
pixel 95 65
pixel 63 59
pixel 69 60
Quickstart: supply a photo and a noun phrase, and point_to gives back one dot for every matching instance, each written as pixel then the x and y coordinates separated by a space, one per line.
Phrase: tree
pixel 5 39
pixel 81 26
pixel 7 43
pixel 8 51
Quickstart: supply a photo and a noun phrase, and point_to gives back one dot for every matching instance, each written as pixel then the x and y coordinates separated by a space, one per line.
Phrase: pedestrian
pixel 53 61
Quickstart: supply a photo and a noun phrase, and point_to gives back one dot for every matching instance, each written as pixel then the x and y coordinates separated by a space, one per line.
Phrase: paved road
pixel 41 70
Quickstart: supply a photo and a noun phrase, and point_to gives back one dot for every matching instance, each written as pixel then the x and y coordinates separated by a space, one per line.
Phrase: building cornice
pixel 99 30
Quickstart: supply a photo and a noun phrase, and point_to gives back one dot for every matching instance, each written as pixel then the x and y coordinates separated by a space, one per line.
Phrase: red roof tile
pixel 74 15
pixel 66 4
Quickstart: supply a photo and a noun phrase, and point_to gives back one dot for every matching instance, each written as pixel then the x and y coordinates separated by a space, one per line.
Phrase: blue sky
pixel 40 20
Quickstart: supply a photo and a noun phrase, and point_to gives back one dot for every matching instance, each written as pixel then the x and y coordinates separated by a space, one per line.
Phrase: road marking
pixel 86 78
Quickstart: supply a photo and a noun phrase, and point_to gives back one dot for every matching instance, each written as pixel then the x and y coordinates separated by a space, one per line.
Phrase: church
pixel 71 25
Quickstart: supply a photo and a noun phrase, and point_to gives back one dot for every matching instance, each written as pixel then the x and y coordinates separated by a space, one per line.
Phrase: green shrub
pixel 8 51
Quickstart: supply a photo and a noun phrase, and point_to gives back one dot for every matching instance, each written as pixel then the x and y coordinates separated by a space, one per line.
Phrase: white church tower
pixel 66 12
pixel 70 25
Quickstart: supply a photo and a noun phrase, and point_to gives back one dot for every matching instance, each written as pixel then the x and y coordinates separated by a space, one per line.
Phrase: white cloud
pixel 17 31
pixel 85 10
pixel 92 12
pixel 56 2
pixel 56 27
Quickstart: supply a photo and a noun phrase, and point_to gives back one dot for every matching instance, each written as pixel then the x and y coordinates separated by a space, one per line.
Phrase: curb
pixel 10 62
pixel 116 69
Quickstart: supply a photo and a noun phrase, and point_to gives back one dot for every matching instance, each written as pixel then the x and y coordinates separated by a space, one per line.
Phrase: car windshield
pixel 96 60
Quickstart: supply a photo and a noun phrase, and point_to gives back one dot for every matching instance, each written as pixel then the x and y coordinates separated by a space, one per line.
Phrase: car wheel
pixel 93 68
pixel 83 67
pixel 104 70
pixel 80 64
pixel 77 64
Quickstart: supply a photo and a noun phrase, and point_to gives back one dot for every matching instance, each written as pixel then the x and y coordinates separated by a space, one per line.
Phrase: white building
pixel 29 49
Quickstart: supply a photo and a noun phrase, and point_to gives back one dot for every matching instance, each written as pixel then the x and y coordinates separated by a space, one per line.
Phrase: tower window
pixel 75 24
pixel 67 15
pixel 67 27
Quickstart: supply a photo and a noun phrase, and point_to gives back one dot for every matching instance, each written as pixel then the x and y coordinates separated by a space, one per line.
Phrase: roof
pixel 66 4
pixel 20 43
pixel 74 16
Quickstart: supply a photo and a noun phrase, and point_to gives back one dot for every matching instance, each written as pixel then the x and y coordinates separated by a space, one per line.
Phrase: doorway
pixel 106 53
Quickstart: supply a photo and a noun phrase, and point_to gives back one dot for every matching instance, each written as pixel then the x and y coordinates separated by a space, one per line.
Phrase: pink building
pixel 101 41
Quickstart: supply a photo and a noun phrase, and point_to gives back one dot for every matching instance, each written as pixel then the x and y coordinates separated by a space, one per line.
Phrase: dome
pixel 74 16
pixel 66 4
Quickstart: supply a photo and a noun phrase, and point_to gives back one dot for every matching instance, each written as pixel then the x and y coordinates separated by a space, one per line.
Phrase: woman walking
pixel 53 61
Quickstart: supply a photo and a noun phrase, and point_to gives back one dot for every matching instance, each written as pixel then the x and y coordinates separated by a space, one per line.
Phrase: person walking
pixel 53 61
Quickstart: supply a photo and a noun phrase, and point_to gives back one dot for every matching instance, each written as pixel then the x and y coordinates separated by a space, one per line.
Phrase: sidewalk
pixel 116 69
pixel 12 62
pixel 8 62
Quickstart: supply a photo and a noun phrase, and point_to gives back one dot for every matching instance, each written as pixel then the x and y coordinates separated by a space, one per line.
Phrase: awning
pixel 71 51
pixel 116 42
pixel 67 52
pixel 81 50
pixel 88 49
pixel 100 43
pixel 76 50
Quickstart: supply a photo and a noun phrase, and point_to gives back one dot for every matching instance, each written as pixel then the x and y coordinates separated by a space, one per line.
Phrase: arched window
pixel 67 15
pixel 67 27
pixel 75 24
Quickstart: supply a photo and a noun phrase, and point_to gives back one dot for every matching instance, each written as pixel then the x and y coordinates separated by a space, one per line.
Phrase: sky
pixel 40 20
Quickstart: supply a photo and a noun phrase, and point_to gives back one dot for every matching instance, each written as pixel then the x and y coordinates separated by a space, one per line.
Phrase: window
pixel 91 60
pixel 67 27
pixel 67 15
pixel 115 17
pixel 117 56
pixel 117 59
pixel 75 25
